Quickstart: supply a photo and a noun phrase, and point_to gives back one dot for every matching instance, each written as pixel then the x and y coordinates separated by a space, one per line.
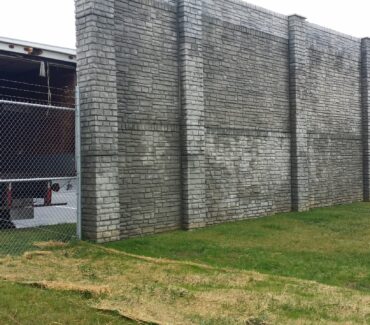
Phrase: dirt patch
pixel 50 244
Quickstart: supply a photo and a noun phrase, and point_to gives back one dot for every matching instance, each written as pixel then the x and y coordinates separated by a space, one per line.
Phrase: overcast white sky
pixel 52 21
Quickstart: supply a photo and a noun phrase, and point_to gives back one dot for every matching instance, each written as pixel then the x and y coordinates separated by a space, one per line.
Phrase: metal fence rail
pixel 38 175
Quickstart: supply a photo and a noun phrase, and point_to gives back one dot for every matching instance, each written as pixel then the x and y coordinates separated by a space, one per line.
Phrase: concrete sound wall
pixel 199 112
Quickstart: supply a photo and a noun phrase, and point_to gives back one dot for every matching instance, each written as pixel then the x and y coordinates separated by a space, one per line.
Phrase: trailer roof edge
pixel 37 49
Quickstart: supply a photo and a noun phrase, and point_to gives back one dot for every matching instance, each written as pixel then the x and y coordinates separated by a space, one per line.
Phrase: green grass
pixel 328 245
pixel 20 304
pixel 17 241
pixel 162 291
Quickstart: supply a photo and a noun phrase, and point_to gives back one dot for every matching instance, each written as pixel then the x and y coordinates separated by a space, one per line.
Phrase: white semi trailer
pixel 37 123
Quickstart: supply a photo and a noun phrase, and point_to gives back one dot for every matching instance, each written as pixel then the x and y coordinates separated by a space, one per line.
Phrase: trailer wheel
pixel 55 187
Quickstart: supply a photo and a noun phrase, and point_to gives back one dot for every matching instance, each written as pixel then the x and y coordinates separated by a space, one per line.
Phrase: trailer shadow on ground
pixel 18 241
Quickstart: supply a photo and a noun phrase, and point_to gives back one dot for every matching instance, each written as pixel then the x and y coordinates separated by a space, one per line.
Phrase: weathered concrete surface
pixel 196 112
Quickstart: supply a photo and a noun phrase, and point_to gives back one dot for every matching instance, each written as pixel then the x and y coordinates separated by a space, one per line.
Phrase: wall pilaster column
pixel 192 106
pixel 365 88
pixel 99 124
pixel 299 150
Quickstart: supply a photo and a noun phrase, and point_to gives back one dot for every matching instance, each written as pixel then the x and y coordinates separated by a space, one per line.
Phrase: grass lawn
pixel 328 245
pixel 20 304
pixel 162 291
pixel 293 268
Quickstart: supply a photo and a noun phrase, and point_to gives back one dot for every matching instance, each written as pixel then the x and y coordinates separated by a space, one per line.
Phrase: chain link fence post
pixel 78 161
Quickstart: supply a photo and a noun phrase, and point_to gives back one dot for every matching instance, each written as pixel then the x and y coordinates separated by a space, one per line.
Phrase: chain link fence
pixel 38 177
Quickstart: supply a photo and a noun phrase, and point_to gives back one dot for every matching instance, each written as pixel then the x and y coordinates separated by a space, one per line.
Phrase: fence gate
pixel 38 175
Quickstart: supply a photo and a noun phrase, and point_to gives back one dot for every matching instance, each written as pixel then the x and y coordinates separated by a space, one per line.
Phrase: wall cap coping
pixel 297 16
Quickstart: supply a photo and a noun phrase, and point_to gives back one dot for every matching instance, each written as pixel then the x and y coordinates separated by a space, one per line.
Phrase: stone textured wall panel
pixel 196 112
pixel 149 115
pixel 334 117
